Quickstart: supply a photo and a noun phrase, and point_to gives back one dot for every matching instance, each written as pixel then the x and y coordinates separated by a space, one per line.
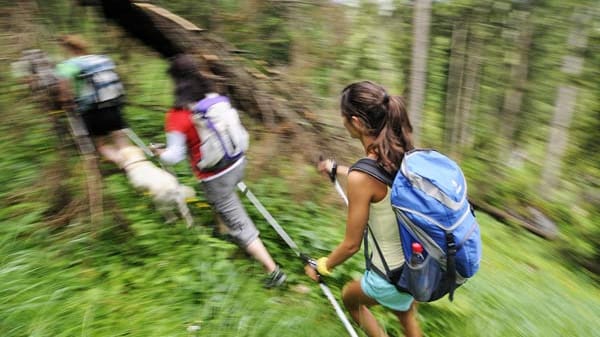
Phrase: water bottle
pixel 422 278
pixel 417 254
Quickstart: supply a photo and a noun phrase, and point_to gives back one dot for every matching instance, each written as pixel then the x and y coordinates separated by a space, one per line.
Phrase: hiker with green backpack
pixel 89 85
pixel 380 122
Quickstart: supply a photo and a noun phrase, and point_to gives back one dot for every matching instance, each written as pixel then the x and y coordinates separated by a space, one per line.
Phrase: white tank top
pixel 382 223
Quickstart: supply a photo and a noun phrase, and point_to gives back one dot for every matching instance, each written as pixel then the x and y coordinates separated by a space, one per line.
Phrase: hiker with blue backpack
pixel 204 125
pixel 407 206
pixel 90 86
pixel 380 122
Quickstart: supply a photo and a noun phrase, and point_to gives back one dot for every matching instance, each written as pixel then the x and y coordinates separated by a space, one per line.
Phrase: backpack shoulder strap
pixel 92 63
pixel 205 104
pixel 370 167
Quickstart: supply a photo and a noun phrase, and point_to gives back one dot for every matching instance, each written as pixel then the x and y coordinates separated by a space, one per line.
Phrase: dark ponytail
pixel 385 118
pixel 190 85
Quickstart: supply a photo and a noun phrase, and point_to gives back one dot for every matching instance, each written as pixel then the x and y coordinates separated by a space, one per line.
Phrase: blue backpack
pixel 429 198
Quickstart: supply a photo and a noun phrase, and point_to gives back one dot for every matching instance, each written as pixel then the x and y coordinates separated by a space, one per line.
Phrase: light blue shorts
pixel 384 293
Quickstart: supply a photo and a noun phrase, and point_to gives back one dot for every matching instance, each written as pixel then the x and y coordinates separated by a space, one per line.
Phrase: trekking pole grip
pixel 333 172
pixel 308 260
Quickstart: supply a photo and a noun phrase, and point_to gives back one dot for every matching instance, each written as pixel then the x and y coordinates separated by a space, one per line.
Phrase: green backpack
pixel 97 85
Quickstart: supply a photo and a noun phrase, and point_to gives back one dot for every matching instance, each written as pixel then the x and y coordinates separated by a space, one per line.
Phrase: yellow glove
pixel 322 267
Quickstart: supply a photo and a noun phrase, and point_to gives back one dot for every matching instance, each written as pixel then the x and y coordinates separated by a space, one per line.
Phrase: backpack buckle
pixel 451 244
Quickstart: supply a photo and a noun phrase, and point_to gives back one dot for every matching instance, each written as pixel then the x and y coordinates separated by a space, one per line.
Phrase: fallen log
pixel 544 229
pixel 270 100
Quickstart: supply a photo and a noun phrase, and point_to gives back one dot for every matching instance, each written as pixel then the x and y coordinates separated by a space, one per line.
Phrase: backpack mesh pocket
pixel 423 280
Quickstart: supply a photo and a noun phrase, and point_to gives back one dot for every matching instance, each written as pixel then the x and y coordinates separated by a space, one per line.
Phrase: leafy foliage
pixel 153 279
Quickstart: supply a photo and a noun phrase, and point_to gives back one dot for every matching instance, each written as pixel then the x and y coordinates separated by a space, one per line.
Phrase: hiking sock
pixel 275 278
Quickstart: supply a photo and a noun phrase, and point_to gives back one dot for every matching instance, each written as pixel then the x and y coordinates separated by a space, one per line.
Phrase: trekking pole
pixel 338 187
pixel 338 310
pixel 244 189
pixel 340 191
pixel 140 143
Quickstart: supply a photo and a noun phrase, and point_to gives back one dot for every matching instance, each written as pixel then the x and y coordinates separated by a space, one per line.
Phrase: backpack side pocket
pixel 422 281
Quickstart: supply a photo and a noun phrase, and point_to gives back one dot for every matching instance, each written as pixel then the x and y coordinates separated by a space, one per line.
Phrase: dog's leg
pixel 166 212
pixel 185 211
pixel 170 217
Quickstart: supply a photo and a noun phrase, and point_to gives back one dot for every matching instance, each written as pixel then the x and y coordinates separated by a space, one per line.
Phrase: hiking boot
pixel 275 279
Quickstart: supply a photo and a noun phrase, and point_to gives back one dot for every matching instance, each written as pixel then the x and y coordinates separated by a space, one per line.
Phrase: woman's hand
pixel 156 149
pixel 331 169
pixel 157 152
pixel 311 272
pixel 325 166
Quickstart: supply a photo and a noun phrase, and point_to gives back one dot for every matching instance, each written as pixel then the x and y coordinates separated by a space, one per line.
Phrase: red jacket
pixel 180 120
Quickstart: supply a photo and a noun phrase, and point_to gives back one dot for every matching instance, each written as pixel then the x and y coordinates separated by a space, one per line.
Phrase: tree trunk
pixel 558 139
pixel 418 78
pixel 513 97
pixel 564 106
pixel 455 83
pixel 283 107
pixel 461 132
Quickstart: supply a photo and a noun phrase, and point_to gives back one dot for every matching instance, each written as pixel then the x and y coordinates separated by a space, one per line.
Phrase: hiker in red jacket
pixel 218 184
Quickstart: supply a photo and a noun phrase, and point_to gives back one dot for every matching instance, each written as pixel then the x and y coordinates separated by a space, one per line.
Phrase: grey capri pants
pixel 221 194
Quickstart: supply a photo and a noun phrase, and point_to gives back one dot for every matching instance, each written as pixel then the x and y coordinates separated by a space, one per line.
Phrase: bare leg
pixel 259 252
pixel 357 303
pixel 409 322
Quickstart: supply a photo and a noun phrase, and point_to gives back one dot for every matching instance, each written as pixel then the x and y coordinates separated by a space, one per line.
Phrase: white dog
pixel 164 188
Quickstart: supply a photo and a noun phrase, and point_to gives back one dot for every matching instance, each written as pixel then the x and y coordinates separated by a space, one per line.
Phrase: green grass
pixel 522 289
pixel 157 279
